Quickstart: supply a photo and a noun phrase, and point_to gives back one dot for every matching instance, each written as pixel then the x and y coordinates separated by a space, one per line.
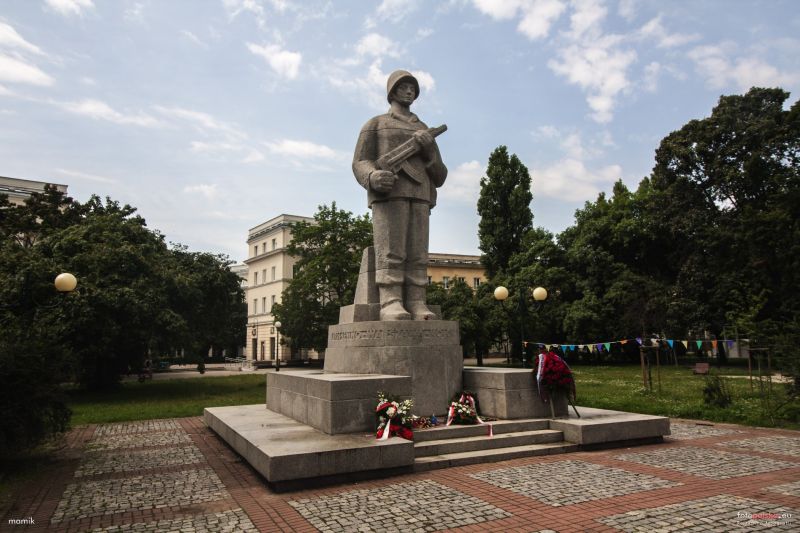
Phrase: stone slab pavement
pixel 177 475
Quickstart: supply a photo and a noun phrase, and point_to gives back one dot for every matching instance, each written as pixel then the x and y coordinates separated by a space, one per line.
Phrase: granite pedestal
pixel 510 393
pixel 426 351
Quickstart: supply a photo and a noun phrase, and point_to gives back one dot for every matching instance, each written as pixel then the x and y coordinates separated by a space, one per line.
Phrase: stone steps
pixel 498 427
pixel 484 442
pixel 432 462
pixel 447 446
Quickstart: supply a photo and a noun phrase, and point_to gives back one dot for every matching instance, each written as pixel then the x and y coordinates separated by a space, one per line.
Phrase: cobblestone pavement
pixel 778 445
pixel 177 475
pixel 588 481
pixel 682 431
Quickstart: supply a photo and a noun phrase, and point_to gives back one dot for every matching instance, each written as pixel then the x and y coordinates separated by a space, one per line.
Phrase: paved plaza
pixel 177 475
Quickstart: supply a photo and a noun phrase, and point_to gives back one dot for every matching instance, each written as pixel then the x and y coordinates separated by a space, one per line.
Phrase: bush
pixel 716 392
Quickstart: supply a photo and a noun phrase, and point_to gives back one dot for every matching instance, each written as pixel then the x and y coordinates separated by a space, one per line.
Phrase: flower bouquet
pixel 463 411
pixel 553 375
pixel 394 418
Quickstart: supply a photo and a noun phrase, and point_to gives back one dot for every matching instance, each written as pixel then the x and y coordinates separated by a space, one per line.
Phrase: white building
pixel 269 270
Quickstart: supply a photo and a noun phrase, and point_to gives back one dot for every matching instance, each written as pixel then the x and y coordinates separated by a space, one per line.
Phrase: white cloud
pixel 9 38
pixel 135 12
pixel 586 18
pixel 194 38
pixel 547 131
pixel 372 84
pixel 14 70
pixel 464 182
pixel 598 68
pixel 69 7
pixel 209 191
pixel 285 63
pixel 303 149
pixel 85 176
pixel 253 157
pixel 236 7
pixel 627 9
pixel 569 179
pixel 202 121
pixel 5 91
pixel 392 11
pixel 424 33
pixel 651 73
pixel 99 110
pixel 537 16
pixel 213 147
pixel 721 72
pixel 377 45
pixel 655 30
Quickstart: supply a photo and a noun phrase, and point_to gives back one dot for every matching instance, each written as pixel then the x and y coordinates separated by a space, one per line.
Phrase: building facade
pixel 446 268
pixel 19 190
pixel 269 270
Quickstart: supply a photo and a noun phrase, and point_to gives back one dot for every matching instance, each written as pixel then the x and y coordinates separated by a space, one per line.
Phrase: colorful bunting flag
pixel 699 344
pixel 714 344
pixel 670 342
pixel 685 344
pixel 608 346
pixel 623 341
pixel 639 340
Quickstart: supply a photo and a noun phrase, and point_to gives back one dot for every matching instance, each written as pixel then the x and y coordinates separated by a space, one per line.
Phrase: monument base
pixel 426 351
pixel 510 393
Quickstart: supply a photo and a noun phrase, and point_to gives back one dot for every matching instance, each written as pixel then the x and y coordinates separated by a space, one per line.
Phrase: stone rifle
pixel 394 160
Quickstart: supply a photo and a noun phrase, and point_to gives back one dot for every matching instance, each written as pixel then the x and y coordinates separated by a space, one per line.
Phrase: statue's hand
pixel 425 141
pixel 382 180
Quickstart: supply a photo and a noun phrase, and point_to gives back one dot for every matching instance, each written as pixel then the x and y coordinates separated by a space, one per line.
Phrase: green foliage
pixel 328 254
pixel 135 297
pixel 715 392
pixel 173 398
pixel 504 208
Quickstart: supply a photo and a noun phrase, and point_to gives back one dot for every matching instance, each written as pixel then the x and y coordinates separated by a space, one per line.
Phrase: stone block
pixel 510 393
pixel 282 449
pixel 604 426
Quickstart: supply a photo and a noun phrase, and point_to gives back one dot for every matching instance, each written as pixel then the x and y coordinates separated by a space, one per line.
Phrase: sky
pixel 213 116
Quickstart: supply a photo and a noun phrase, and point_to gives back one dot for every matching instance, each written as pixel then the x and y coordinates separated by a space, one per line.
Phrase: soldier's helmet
pixel 396 77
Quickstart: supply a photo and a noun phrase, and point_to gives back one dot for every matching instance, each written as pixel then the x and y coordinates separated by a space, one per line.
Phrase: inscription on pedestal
pixel 399 333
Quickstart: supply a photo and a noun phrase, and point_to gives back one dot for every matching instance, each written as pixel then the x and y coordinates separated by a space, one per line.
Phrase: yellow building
pixel 446 268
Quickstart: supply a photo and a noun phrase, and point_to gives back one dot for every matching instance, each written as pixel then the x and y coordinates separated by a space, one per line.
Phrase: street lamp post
pixel 539 295
pixel 278 346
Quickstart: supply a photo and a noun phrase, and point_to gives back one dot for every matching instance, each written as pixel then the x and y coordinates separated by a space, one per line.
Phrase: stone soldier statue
pixel 396 159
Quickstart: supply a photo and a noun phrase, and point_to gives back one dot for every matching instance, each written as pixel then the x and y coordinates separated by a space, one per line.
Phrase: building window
pixel 255 250
pixel 255 278
pixel 430 280
pixel 264 304
pixel 476 282
pixel 273 299
pixel 446 282
pixel 274 243
pixel 273 273
pixel 263 247
pixel 255 306
pixel 461 278
pixel 264 275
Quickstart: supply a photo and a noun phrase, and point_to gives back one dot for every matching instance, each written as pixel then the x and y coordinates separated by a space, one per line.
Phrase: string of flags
pixel 599 346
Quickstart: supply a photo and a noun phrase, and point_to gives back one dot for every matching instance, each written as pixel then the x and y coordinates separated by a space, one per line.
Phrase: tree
pixel 328 253
pixel 504 208
pixel 458 302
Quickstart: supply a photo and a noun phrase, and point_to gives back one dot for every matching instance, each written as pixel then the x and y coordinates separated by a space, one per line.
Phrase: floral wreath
pixel 394 418
pixel 553 375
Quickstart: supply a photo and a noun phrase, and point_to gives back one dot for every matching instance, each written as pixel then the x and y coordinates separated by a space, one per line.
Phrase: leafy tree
pixel 459 302
pixel 328 253
pixel 504 208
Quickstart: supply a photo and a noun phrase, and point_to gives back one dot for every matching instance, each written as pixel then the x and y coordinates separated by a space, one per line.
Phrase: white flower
pixel 391 411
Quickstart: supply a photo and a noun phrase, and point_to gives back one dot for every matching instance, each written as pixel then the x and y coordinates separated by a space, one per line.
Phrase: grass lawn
pixel 172 398
pixel 681 396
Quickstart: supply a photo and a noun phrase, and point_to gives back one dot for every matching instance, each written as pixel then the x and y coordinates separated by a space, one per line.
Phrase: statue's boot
pixel 391 297
pixel 415 303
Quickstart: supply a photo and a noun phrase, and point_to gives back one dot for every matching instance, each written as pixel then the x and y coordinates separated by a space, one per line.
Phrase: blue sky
pixel 213 116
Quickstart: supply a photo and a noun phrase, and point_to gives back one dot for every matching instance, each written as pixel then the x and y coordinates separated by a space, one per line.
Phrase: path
pixel 176 475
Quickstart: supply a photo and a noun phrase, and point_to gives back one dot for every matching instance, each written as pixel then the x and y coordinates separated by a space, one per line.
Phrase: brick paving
pixel 177 475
